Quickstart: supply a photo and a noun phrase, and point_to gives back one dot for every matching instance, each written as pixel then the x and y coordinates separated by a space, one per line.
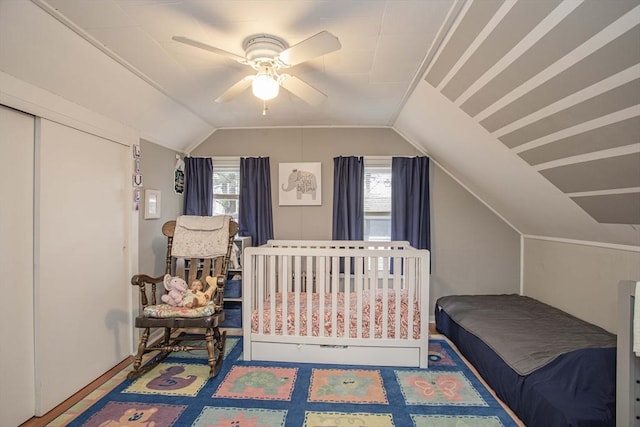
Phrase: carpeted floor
pixel 177 393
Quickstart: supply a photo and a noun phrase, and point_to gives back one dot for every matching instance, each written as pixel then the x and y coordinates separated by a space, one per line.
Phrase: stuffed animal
pixel 213 285
pixel 176 290
pixel 199 298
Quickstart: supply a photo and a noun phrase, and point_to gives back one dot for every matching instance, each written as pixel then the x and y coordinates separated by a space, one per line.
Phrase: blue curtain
pixel 348 200
pixel 255 217
pixel 198 186
pixel 410 201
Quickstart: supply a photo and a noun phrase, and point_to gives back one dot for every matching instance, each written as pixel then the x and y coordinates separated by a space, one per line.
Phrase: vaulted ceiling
pixel 532 105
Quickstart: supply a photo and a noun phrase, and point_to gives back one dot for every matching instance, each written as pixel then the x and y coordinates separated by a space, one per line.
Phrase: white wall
pixel 577 278
pixel 17 386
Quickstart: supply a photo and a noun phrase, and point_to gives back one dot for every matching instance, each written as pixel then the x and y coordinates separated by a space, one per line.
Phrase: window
pixel 226 186
pixel 377 199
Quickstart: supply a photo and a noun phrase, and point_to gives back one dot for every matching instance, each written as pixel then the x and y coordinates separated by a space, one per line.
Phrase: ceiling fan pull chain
pixel 264 108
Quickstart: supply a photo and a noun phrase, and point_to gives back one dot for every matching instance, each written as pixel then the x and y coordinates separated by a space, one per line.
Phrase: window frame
pixel 373 163
pixel 227 163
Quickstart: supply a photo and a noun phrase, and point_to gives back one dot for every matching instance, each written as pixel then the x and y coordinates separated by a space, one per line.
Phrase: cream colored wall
pixel 579 279
pixel 473 250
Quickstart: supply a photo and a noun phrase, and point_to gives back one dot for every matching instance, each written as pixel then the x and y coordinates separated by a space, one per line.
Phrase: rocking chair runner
pixel 156 314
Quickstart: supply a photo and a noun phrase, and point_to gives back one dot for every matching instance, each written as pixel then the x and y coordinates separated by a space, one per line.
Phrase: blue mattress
pixel 576 389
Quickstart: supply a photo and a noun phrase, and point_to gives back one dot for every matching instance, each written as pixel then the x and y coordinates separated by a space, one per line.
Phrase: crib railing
pixel 340 244
pixel 341 279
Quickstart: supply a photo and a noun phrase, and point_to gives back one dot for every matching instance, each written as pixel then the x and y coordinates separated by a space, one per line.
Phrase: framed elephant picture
pixel 300 184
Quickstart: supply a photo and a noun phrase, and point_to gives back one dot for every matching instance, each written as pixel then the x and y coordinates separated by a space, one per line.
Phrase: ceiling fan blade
pixel 303 90
pixel 317 45
pixel 235 90
pixel 205 46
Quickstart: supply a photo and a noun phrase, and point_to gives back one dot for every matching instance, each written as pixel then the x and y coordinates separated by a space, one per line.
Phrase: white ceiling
pixel 384 44
pixel 532 105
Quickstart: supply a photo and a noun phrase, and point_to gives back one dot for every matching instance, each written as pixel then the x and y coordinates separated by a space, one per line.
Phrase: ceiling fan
pixel 267 55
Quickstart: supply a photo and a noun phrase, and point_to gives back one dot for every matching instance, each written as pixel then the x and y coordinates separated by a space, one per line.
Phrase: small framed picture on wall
pixel 152 204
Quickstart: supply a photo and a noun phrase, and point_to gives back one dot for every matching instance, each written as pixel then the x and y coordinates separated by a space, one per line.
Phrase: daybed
pixel 549 367
pixel 346 302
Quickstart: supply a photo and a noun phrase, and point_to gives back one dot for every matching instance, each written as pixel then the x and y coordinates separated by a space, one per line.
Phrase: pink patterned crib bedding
pixel 389 314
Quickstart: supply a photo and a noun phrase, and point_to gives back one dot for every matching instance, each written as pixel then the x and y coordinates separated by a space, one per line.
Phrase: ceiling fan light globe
pixel 265 87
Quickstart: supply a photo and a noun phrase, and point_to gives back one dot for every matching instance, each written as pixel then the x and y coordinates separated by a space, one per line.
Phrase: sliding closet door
pixel 82 293
pixel 16 265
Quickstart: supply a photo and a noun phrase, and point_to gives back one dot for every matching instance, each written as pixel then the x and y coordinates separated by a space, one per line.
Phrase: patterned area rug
pixel 264 394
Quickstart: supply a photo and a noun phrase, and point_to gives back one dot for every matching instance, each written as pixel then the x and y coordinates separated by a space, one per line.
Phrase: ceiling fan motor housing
pixel 263 48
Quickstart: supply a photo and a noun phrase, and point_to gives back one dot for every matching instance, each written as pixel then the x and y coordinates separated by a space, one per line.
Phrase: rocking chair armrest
pixel 141 280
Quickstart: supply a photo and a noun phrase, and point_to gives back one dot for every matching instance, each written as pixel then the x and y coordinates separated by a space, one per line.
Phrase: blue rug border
pixel 295 413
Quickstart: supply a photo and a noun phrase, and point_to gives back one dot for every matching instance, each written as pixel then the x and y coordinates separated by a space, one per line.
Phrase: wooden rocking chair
pixel 207 318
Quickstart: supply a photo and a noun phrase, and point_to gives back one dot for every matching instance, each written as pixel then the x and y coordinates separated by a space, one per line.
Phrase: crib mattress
pixel 325 326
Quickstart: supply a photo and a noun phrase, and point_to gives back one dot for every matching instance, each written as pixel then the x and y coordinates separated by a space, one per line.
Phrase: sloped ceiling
pixel 557 84
pixel 532 105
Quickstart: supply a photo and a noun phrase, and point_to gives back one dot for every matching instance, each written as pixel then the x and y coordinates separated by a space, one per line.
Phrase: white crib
pixel 342 302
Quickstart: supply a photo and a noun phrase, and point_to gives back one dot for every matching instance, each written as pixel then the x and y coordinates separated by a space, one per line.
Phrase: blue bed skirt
pixel 577 389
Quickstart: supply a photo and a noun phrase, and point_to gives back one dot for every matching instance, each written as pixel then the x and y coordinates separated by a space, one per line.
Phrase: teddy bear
pixel 176 290
pixel 200 298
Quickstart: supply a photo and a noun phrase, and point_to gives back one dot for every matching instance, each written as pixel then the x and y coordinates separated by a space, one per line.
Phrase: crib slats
pixel 260 278
pixel 309 289
pixel 335 268
pixel 358 288
pixel 322 289
pixel 295 285
pixel 297 289
pixel 347 296
pixel 397 274
pixel 385 299
pixel 373 288
pixel 271 292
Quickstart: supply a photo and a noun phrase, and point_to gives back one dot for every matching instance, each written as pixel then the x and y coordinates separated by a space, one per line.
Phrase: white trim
pixel 449 33
pixel 111 54
pixel 460 182
pixel 307 127
pixel 604 192
pixel 436 46
pixel 586 94
pixel 195 145
pixel 23 96
pixel 377 161
pixel 226 160
pixel 629 248
pixel 587 157
pixel 611 118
